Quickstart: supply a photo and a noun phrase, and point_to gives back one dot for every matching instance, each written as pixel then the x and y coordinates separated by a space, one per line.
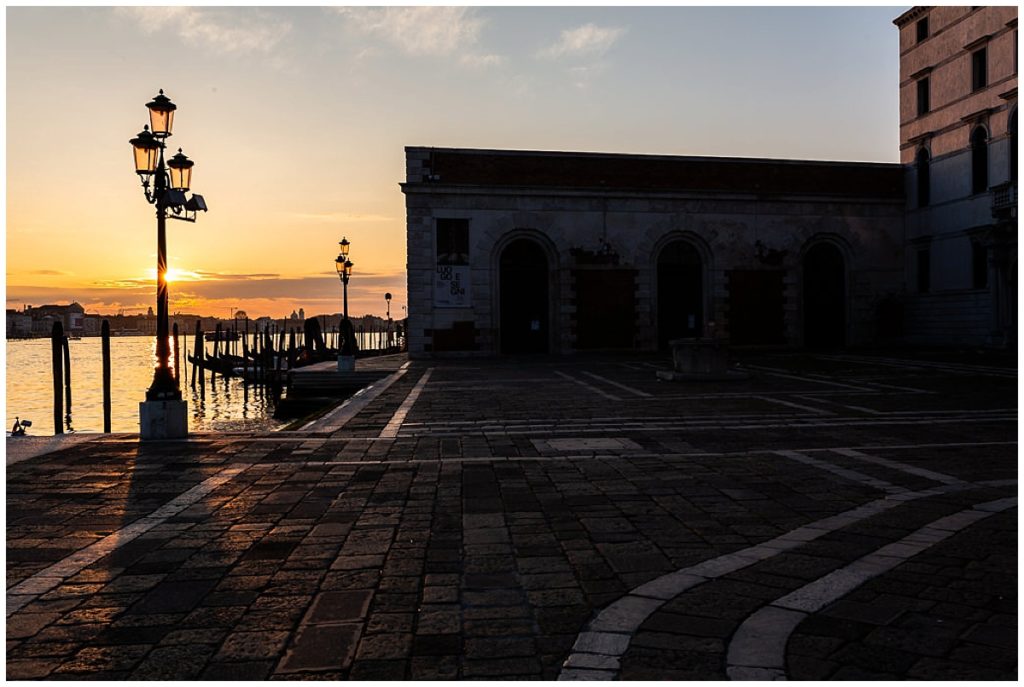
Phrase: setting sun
pixel 174 274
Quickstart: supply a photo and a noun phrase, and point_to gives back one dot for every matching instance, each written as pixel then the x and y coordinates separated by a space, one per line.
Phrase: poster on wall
pixel 451 276
pixel 451 286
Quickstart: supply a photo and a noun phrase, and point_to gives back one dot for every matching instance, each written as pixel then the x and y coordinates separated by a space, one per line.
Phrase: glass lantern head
pixel 161 115
pixel 146 151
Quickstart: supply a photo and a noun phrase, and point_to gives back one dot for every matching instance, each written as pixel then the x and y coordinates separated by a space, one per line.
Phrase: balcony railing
pixel 1004 200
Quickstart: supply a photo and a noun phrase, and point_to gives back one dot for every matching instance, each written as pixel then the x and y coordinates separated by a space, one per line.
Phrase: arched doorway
pixel 680 293
pixel 824 297
pixel 523 287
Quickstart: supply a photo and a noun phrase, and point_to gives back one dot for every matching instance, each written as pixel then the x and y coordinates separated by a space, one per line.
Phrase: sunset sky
pixel 297 121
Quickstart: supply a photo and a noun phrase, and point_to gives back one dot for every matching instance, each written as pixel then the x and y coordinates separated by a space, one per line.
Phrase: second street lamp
pixel 163 415
pixel 344 268
pixel 347 352
pixel 387 298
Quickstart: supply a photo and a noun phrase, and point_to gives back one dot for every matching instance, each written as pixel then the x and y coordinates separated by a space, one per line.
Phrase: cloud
pixel 481 61
pixel 588 40
pixel 43 273
pixel 221 276
pixel 227 30
pixel 425 31
pixel 236 289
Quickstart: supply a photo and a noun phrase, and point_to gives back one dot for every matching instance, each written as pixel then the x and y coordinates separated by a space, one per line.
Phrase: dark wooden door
pixel 824 297
pixel 524 283
pixel 605 308
pixel 680 293
pixel 756 307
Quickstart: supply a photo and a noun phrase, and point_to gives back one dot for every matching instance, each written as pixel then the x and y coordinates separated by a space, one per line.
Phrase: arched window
pixel 924 178
pixel 979 160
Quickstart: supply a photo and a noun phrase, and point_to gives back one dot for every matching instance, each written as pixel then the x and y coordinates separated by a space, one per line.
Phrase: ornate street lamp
pixel 344 268
pixel 387 299
pixel 162 414
pixel 347 352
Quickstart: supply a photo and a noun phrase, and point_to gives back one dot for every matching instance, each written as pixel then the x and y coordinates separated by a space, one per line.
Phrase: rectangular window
pixel 452 241
pixel 922 29
pixel 922 97
pixel 979 69
pixel 924 270
pixel 979 265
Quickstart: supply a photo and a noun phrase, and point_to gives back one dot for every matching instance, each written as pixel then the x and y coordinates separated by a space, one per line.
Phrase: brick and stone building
pixel 958 139
pixel 518 251
pixel 515 251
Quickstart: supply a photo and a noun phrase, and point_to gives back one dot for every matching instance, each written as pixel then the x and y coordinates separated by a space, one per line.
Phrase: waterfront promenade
pixel 834 516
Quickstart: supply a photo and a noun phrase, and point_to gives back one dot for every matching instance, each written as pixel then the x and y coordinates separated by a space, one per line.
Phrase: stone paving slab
pixel 508 520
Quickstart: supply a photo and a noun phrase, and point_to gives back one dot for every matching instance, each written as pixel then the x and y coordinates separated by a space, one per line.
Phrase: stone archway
pixel 524 298
pixel 680 292
pixel 824 296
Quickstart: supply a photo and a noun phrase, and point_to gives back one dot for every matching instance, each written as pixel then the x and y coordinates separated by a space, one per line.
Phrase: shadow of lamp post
pixel 163 414
pixel 346 354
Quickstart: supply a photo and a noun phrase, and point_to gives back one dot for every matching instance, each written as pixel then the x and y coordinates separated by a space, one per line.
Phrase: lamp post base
pixel 346 363
pixel 163 420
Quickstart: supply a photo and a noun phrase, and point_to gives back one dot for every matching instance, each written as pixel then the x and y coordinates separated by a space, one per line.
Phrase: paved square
pixel 834 516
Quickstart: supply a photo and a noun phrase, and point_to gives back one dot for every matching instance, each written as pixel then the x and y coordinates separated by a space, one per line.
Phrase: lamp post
pixel 387 299
pixel 347 353
pixel 344 267
pixel 163 414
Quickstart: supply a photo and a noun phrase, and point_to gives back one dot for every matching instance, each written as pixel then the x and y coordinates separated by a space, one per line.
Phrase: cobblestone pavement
pixel 832 517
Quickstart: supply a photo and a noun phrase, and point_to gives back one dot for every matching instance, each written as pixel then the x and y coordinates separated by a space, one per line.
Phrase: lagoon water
pixel 227 405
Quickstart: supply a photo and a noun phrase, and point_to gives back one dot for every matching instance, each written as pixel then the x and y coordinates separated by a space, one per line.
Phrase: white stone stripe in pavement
pixel 599 392
pixel 606 638
pixel 51 577
pixel 769 399
pixel 758 647
pixel 390 431
pixel 635 392
pixel 924 364
pixel 895 465
pixel 776 372
pixel 851 475
pixel 336 419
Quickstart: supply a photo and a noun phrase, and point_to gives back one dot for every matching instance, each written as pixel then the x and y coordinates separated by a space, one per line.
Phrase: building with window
pixel 71 317
pixel 519 252
pixel 958 139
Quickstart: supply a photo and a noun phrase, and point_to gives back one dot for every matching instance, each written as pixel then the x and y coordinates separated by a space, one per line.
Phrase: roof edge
pixel 646 156
pixel 911 14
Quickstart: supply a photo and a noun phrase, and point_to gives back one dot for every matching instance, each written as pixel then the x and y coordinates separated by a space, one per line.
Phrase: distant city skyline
pixel 297 119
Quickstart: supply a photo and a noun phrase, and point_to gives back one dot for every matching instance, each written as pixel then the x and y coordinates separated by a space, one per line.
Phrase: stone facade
pixel 515 251
pixel 958 104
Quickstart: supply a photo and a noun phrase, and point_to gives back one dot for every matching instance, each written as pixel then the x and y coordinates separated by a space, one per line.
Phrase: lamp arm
pixel 150 195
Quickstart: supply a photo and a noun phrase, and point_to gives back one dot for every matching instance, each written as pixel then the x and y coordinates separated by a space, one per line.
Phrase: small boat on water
pixel 219 365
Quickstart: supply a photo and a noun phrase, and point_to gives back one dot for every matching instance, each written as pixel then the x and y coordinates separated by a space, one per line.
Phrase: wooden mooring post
pixel 105 335
pixel 177 355
pixel 216 349
pixel 195 355
pixel 57 358
pixel 291 349
pixel 66 348
pixel 184 347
